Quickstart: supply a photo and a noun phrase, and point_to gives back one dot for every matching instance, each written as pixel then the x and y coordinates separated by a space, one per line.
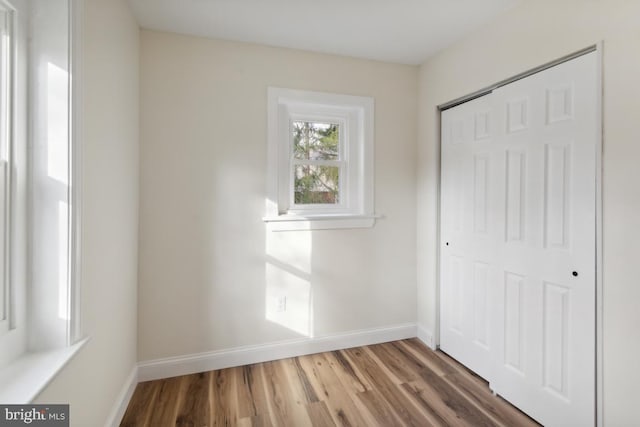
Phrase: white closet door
pixel 518 214
pixel 546 304
pixel 469 233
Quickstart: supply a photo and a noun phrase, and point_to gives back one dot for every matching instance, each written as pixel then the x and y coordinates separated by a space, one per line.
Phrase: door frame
pixel 598 48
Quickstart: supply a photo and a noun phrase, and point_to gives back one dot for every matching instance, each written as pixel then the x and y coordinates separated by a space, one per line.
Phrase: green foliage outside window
pixel 313 144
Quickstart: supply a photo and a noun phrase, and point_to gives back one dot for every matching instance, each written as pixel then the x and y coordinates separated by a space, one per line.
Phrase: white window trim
pixel 6 282
pixel 28 375
pixel 23 379
pixel 75 332
pixel 355 114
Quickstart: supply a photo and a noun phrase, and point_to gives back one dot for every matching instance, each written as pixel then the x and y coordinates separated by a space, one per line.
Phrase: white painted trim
pixel 202 362
pixel 76 121
pixel 599 242
pixel 123 399
pixel 438 252
pixel 321 222
pixel 24 379
pixel 426 337
pixel 6 324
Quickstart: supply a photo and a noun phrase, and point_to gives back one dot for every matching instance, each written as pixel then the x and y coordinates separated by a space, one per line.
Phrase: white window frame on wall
pixel 354 116
pixel 7 108
pixel 26 367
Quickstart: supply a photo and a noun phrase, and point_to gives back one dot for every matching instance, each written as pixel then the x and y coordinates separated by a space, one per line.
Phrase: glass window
pixel 6 130
pixel 316 162
pixel 320 159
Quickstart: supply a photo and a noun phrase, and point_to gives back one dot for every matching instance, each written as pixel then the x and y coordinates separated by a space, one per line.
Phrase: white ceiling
pixel 403 31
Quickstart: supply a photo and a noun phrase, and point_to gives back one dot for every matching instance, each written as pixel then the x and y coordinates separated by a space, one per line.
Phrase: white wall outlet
pixel 282 304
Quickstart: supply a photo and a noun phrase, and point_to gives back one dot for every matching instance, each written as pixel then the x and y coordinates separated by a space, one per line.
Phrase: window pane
pixel 316 185
pixel 315 140
pixel 6 65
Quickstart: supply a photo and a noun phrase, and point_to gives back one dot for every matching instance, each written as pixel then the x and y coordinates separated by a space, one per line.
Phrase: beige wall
pixel 92 381
pixel 527 36
pixel 207 265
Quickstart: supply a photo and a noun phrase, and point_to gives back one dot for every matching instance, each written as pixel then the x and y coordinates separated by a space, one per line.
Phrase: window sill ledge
pixel 319 222
pixel 23 379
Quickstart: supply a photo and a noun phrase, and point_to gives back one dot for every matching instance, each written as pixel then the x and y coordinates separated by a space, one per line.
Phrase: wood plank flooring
pixel 401 383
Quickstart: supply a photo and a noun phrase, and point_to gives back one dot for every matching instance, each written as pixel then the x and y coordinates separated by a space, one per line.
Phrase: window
pixel 6 138
pixel 39 195
pixel 320 171
pixel 317 163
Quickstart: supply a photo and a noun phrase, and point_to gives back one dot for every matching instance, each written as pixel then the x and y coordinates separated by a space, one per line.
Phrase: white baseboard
pixel 201 362
pixel 122 402
pixel 426 337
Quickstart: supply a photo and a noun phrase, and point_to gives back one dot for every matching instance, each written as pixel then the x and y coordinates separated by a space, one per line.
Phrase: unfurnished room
pixel 319 213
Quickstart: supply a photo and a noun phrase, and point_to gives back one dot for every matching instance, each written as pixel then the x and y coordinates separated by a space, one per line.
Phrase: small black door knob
pixel 575 274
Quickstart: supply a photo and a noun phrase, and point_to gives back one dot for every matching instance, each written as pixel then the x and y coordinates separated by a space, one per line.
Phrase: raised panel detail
pixel 555 342
pixel 457 198
pixel 557 195
pixel 517 115
pixel 515 196
pixel 513 321
pixel 481 128
pixel 456 295
pixel 457 132
pixel 480 297
pixel 560 104
pixel 480 192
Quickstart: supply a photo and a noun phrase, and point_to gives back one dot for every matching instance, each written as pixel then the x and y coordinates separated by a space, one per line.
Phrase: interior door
pixel 469 233
pixel 519 166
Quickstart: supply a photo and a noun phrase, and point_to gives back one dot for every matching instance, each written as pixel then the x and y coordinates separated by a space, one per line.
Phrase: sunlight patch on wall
pixel 288 293
pixel 57 123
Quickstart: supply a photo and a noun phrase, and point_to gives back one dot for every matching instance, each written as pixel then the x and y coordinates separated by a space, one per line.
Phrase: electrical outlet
pixel 282 304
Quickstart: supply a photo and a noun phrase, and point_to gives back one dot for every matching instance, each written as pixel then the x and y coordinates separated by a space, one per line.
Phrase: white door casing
pixel 518 241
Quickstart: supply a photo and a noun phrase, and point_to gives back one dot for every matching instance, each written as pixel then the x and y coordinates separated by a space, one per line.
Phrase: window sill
pixel 27 376
pixel 291 222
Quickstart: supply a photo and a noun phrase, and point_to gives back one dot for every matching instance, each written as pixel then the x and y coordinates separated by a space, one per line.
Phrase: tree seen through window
pixel 316 156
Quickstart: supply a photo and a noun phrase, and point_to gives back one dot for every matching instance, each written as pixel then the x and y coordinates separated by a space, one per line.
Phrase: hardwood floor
pixel 401 383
